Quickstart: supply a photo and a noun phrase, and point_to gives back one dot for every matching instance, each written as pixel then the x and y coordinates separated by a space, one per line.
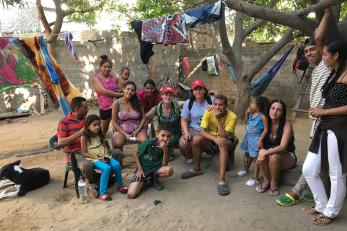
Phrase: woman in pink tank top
pixel 105 85
pixel 128 117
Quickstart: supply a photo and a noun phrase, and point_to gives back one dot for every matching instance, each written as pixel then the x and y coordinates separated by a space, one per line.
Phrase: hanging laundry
pixel 212 65
pixel 68 42
pixel 146 48
pixel 206 14
pixel 31 48
pixel 165 30
pixel 15 67
pixel 186 66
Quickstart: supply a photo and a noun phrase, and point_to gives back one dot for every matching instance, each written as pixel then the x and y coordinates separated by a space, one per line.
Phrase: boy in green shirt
pixel 151 157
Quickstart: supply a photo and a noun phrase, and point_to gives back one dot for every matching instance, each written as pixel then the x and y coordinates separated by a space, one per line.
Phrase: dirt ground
pixel 185 204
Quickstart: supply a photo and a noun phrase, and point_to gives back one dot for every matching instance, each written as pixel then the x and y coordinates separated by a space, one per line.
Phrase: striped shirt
pixel 68 126
pixel 319 76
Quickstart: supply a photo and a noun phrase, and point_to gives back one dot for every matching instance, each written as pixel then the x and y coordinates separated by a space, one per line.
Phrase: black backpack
pixel 300 62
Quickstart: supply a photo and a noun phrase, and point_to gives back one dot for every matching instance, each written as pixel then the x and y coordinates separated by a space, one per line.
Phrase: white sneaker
pixel 251 182
pixel 189 161
pixel 242 172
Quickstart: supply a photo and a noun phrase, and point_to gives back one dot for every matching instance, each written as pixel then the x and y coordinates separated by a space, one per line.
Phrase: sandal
pixel 122 189
pixel 274 192
pixel 286 200
pixel 308 197
pixel 311 211
pixel 191 173
pixel 105 197
pixel 321 219
pixel 261 189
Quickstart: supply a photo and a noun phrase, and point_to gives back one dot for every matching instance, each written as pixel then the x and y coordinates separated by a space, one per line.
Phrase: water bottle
pixel 82 190
pixel 133 138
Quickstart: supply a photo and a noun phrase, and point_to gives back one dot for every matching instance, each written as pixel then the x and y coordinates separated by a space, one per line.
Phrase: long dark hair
pixel 104 59
pixel 151 82
pixel 134 101
pixel 87 133
pixel 282 121
pixel 262 103
pixel 340 47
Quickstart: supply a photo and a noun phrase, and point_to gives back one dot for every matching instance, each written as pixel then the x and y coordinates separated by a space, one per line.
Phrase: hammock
pixel 54 78
pixel 259 86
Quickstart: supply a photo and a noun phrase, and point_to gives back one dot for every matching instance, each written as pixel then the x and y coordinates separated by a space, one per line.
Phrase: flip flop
pixel 308 197
pixel 261 189
pixel 190 173
pixel 274 192
pixel 321 219
pixel 286 200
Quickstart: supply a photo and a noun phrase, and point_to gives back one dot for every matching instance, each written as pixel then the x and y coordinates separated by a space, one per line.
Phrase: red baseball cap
pixel 198 83
pixel 167 89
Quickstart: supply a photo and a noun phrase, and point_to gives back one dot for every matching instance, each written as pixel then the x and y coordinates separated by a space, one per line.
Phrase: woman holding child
pixel 128 118
pixel 106 87
pixel 278 152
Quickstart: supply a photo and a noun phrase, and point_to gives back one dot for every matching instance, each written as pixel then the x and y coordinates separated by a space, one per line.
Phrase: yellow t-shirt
pixel 210 124
pixel 96 150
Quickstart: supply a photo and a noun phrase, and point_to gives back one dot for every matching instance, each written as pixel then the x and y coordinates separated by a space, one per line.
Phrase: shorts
pixel 293 155
pixel 213 149
pixel 193 133
pixel 105 114
pixel 149 175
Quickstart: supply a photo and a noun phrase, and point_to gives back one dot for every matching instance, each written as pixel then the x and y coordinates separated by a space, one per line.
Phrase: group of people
pixel 206 125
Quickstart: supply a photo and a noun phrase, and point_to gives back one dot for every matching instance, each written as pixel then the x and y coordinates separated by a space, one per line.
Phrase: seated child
pixel 92 144
pixel 152 159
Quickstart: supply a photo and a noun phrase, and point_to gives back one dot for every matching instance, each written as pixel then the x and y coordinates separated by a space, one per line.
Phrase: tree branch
pixel 274 16
pixel 287 37
pixel 85 10
pixel 42 17
pixel 249 29
pixel 227 49
pixel 322 4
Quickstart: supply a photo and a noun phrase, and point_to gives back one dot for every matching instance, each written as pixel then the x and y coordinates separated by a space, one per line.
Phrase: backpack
pixel 190 104
pixel 300 62
pixel 159 109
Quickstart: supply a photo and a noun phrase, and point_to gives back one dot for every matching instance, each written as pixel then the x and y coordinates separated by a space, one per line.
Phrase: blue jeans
pixel 105 173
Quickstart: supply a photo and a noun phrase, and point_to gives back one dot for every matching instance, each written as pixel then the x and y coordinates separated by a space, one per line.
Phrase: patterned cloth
pixel 165 30
pixel 68 42
pixel 146 48
pixel 205 14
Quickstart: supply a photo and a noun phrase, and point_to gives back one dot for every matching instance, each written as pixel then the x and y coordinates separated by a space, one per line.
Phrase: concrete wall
pixel 124 51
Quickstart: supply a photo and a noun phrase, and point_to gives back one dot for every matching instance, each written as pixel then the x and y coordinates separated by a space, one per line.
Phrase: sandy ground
pixel 186 204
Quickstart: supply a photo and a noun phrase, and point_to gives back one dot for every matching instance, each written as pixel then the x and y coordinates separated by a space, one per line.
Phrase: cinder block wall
pixel 124 51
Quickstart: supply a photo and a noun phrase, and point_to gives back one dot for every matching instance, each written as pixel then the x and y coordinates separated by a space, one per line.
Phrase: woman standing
pixel 191 115
pixel 128 118
pixel 105 85
pixel 279 149
pixel 150 96
pixel 328 149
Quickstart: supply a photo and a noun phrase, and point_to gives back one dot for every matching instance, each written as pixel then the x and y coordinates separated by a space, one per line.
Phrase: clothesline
pixel 26 35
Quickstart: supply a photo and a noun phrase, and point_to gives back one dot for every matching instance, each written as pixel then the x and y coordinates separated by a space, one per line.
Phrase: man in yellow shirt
pixel 217 137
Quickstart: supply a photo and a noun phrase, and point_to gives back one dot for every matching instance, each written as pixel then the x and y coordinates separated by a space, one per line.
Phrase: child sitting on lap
pixel 152 162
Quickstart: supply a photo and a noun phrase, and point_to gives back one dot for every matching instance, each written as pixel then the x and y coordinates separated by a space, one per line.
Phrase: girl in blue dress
pixel 256 130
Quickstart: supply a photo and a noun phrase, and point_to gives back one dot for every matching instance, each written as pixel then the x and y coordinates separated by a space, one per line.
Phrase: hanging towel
pixel 15 67
pixel 206 14
pixel 146 48
pixel 31 48
pixel 68 42
pixel 165 30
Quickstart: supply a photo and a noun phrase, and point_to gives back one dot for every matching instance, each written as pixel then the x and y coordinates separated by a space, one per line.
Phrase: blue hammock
pixel 259 86
pixel 54 78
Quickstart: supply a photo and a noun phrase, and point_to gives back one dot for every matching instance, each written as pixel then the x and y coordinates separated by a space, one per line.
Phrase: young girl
pixel 256 130
pixel 150 96
pixel 92 144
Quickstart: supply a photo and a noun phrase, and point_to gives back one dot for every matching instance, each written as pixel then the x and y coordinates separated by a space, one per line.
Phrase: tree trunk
pixel 242 99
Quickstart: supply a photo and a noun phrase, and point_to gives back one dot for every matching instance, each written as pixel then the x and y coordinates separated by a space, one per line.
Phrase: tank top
pixel 105 102
pixel 128 121
pixel 271 142
pixel 172 120
pixel 335 97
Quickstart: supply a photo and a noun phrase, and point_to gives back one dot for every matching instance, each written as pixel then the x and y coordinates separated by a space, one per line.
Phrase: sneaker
pixel 242 172
pixel 122 189
pixel 189 161
pixel 157 185
pixel 223 188
pixel 251 182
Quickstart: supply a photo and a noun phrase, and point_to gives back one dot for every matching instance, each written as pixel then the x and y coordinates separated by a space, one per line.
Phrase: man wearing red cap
pixel 216 136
